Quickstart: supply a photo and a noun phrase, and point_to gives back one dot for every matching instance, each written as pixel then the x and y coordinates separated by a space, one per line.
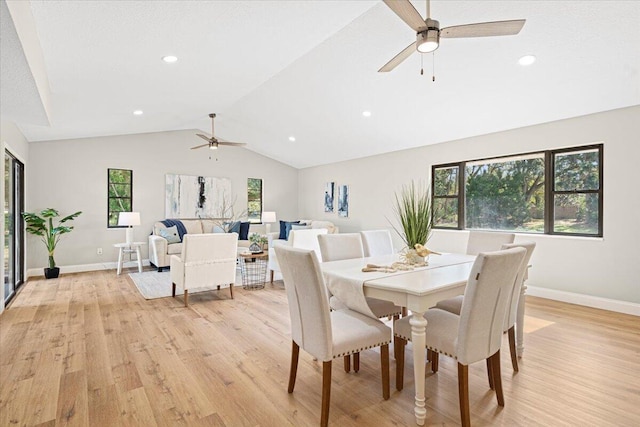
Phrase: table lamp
pixel 267 218
pixel 129 219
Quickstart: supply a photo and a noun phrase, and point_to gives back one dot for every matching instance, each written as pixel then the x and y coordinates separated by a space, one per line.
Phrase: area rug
pixel 152 284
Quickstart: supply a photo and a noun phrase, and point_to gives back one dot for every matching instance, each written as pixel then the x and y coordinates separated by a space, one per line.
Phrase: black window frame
pixel 261 200
pixel 109 198
pixel 549 188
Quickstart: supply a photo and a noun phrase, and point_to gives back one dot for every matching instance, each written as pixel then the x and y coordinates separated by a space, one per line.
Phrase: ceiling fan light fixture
pixel 213 146
pixel 428 40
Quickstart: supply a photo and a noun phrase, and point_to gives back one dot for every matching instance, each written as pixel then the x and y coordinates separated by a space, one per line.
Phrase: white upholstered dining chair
pixel 206 260
pixel 487 241
pixel 475 334
pixel 302 239
pixel 454 305
pixel 377 242
pixel 323 333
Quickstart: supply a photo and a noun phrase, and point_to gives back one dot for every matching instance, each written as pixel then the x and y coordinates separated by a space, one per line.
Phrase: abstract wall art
pixel 189 196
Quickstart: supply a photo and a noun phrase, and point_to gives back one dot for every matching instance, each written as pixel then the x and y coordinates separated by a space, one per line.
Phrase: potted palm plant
pixel 413 210
pixel 42 225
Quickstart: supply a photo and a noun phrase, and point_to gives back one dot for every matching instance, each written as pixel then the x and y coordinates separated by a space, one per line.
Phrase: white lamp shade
pixel 129 218
pixel 268 217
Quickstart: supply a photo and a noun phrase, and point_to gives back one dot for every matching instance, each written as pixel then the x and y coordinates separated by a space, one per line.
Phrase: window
pixel 554 192
pixel 120 194
pixel 254 200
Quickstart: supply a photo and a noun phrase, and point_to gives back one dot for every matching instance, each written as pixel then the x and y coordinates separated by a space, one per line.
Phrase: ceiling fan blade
pixel 206 138
pixel 484 29
pixel 236 144
pixel 199 146
pixel 406 52
pixel 405 10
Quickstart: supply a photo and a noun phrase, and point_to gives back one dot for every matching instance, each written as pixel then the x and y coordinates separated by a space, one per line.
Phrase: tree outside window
pixel 254 199
pixel 119 194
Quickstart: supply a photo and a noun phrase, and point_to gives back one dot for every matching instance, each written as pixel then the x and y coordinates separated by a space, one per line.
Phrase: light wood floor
pixel 86 349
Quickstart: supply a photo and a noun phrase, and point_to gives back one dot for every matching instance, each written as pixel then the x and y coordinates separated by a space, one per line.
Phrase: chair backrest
pixel 377 242
pixel 486 299
pixel 307 239
pixel 335 247
pixel 308 301
pixel 512 311
pixel 487 241
pixel 204 247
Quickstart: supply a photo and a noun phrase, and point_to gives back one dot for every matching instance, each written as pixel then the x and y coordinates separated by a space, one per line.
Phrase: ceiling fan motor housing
pixel 428 39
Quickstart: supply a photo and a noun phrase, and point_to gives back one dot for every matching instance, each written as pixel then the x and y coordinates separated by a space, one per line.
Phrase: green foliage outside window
pixel 254 199
pixel 119 194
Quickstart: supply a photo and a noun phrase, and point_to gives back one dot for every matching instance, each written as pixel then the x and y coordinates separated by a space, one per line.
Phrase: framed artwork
pixel 188 196
pixel 329 189
pixel 343 201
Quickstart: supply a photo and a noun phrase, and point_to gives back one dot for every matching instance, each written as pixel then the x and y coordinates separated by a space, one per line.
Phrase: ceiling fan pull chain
pixel 421 64
pixel 433 75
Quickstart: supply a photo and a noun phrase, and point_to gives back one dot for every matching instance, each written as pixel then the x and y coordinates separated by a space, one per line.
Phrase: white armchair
pixel 206 260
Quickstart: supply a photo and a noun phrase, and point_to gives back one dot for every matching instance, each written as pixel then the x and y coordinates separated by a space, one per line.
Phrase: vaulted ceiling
pixel 308 69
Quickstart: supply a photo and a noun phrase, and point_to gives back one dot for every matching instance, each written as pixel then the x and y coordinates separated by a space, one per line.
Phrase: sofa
pixel 164 242
pixel 298 236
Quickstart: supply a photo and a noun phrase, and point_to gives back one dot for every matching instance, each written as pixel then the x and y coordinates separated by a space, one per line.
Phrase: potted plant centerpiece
pixel 42 225
pixel 413 209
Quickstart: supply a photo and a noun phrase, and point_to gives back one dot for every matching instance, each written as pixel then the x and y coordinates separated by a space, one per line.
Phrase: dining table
pixel 416 288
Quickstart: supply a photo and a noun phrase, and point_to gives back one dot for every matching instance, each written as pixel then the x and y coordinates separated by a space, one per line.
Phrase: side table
pixel 129 248
pixel 253 268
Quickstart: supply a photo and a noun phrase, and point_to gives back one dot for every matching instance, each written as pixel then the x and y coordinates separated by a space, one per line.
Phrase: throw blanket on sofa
pixel 179 226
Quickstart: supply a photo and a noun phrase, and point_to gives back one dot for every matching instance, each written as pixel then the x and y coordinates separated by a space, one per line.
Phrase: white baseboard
pixel 618 306
pixel 31 272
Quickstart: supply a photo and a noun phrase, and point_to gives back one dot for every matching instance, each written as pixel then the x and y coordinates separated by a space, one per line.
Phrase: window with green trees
pixel 553 192
pixel 119 194
pixel 254 200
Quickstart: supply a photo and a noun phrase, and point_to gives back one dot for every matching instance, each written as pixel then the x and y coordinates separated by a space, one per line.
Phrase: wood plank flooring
pixel 87 350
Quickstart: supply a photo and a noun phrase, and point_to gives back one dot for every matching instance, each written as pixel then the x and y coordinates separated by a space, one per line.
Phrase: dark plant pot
pixel 52 273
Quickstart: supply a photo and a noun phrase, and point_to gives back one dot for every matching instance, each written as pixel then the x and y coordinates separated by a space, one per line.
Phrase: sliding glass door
pixel 13 225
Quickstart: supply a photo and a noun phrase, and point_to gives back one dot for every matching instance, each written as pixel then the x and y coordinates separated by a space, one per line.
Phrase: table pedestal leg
pixel 120 260
pixel 139 259
pixel 520 323
pixel 418 326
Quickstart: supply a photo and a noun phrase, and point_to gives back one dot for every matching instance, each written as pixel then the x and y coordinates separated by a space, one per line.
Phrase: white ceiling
pixel 272 69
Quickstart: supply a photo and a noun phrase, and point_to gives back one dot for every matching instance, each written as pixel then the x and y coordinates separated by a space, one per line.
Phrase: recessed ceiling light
pixel 170 59
pixel 292 138
pixel 527 60
pixel 366 113
pixel 138 113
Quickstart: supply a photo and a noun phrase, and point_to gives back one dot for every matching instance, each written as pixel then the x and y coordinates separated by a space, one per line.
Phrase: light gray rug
pixel 152 284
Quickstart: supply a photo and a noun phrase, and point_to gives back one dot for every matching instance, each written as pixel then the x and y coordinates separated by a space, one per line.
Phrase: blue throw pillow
pixel 285 228
pixel 244 231
pixel 233 227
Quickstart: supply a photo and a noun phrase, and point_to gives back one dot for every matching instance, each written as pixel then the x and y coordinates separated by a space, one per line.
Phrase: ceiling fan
pixel 213 142
pixel 428 31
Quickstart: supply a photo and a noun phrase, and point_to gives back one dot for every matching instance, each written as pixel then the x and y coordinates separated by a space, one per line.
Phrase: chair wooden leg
pixel 231 290
pixel 347 363
pixel 512 348
pixel 173 290
pixel 326 393
pixel 400 364
pixel 435 357
pixel 463 394
pixel 293 370
pixel 356 362
pixel 272 276
pixel 186 298
pixel 429 355
pixel 384 365
pixel 490 374
pixel 497 377
pixel 404 311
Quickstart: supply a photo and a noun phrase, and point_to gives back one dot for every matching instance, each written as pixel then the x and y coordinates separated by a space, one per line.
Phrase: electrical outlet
pixel 99 251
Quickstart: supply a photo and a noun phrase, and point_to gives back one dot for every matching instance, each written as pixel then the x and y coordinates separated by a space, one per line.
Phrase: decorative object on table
pixel 329 192
pixel 42 225
pixel 257 243
pixel 188 196
pixel 343 201
pixel 129 220
pixel 267 218
pixel 413 210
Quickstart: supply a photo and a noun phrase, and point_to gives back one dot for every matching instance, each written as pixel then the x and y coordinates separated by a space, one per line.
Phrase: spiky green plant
pixel 42 225
pixel 413 211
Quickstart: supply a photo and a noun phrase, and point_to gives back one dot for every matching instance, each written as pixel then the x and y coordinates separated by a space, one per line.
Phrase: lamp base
pixel 129 235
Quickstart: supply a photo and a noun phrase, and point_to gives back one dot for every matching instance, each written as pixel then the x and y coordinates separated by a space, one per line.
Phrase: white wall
pixel 13 141
pixel 607 268
pixel 71 175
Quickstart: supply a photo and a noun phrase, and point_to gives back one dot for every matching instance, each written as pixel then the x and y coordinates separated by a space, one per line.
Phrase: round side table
pixel 253 268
